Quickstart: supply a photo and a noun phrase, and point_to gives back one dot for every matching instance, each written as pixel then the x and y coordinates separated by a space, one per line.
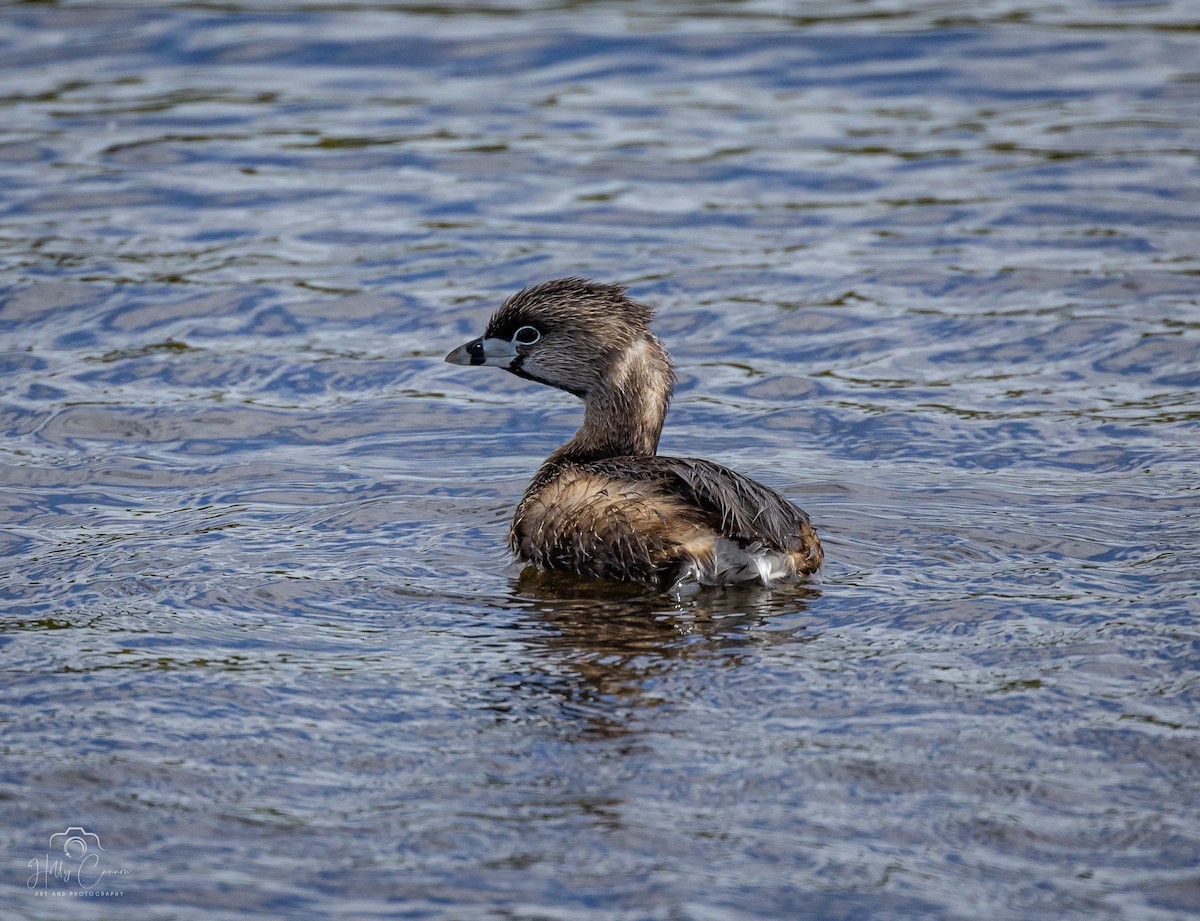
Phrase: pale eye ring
pixel 527 335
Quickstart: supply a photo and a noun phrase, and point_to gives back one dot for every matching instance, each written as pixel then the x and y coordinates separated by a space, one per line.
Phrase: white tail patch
pixel 734 563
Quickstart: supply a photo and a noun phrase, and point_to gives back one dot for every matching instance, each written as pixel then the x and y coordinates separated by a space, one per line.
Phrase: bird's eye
pixel 527 335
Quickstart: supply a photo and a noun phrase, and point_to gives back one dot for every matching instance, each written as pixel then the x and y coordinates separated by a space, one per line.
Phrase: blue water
pixel 928 269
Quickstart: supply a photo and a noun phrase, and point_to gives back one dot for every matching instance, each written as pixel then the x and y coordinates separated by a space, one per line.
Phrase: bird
pixel 606 505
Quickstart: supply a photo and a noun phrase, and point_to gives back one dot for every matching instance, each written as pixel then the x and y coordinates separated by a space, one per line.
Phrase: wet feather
pixel 605 504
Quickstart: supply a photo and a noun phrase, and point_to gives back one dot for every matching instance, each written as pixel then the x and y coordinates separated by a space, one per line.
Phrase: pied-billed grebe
pixel 605 504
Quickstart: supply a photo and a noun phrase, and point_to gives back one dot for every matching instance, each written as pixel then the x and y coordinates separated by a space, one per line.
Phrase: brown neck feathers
pixel 625 415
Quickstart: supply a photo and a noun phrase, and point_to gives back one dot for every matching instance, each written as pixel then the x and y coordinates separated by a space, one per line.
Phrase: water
pixel 930 269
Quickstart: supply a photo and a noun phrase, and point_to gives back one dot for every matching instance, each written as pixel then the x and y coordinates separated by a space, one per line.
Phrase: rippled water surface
pixel 928 268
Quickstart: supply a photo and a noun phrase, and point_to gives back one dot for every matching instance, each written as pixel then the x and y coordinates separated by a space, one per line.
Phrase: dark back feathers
pixel 738 507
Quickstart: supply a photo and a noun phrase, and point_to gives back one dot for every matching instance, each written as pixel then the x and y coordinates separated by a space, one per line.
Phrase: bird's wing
pixel 735 505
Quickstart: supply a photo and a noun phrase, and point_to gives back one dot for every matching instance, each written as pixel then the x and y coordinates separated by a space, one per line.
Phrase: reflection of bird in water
pixel 605 505
pixel 607 663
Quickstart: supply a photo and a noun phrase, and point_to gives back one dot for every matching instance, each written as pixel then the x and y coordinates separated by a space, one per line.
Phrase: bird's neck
pixel 625 415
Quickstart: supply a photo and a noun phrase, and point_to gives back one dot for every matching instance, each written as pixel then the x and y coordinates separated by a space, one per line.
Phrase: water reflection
pixel 612 654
